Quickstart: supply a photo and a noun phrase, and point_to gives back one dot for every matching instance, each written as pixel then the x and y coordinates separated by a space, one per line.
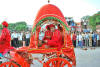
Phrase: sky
pixel 26 10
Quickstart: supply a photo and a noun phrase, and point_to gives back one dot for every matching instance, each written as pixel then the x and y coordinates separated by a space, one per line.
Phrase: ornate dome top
pixel 49 10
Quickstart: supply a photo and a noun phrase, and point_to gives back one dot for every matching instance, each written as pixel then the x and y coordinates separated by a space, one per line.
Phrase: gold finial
pixel 48 1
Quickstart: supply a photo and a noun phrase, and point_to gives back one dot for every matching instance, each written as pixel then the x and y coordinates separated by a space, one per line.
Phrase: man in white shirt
pixel 80 40
pixel 15 39
pixel 27 38
pixel 20 34
pixel 86 39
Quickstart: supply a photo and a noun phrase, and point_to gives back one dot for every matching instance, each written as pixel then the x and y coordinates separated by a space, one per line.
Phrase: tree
pixel 21 27
pixel 18 26
pixel 85 18
pixel 12 26
pixel 94 20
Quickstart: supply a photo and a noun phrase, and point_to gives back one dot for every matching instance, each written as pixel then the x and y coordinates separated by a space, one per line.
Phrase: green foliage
pixel 85 17
pixel 0 26
pixel 12 26
pixel 18 26
pixel 21 27
pixel 21 23
pixel 94 20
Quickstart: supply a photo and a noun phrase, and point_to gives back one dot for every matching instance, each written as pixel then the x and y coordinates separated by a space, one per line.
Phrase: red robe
pixel 56 40
pixel 5 39
pixel 47 34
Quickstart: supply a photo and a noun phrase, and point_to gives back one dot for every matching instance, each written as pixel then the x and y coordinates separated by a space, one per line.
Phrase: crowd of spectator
pixel 79 39
pixel 87 39
pixel 19 39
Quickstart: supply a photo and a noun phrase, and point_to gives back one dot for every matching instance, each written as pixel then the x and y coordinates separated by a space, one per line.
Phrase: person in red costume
pixel 48 33
pixel 56 38
pixel 62 33
pixel 47 36
pixel 5 38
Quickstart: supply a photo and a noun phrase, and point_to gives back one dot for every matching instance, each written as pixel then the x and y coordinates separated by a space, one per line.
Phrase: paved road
pixel 89 58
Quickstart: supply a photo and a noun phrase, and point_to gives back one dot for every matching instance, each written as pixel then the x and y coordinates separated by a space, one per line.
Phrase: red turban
pixel 4 23
pixel 47 26
pixel 52 25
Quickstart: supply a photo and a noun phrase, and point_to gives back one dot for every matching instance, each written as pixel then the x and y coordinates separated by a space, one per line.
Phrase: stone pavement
pixel 88 58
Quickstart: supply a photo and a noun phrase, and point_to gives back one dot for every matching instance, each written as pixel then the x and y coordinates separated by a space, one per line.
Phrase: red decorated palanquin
pixel 57 57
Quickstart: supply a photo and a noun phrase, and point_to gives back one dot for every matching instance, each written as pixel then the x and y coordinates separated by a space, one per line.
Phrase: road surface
pixel 88 58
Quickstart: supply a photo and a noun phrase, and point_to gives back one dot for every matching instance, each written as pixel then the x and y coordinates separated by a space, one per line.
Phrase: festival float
pixel 48 57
